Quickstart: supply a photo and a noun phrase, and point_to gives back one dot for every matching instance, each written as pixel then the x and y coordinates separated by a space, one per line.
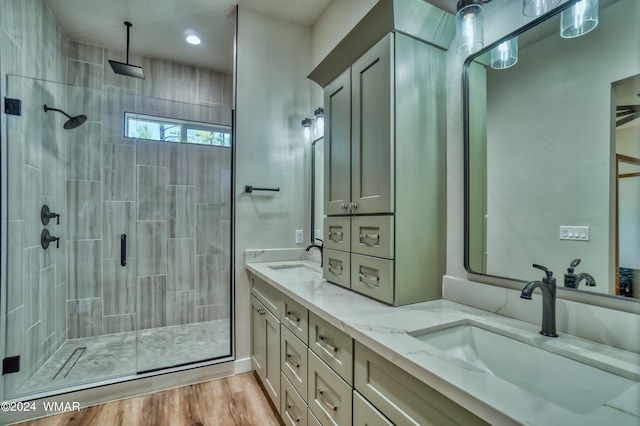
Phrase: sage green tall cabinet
pixel 385 172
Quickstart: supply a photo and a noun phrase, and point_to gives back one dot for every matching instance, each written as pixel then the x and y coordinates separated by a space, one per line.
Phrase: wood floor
pixel 237 400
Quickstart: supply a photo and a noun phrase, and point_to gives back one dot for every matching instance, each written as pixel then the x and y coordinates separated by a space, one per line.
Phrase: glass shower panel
pixel 70 303
pixel 183 179
pixel 117 246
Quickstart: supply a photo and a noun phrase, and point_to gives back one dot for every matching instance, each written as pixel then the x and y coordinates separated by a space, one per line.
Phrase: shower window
pixel 173 130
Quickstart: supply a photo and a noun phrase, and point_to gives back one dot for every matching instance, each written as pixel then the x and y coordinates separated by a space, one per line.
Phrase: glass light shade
pixel 318 116
pixel 470 29
pixel 538 7
pixel 306 129
pixel 579 19
pixel 505 54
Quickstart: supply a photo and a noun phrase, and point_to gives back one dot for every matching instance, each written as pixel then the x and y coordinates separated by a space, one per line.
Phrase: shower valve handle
pixel 46 238
pixel 46 214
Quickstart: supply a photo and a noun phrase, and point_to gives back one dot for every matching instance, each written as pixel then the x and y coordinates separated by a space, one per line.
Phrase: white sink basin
pixel 571 384
pixel 297 271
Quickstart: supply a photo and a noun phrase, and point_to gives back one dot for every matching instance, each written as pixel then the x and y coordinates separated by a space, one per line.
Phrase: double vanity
pixel 342 358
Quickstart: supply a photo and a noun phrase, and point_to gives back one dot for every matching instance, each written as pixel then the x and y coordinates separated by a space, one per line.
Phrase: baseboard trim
pixel 130 387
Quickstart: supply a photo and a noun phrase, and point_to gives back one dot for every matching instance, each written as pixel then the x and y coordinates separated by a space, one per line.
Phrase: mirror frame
pixel 312 237
pixel 618 303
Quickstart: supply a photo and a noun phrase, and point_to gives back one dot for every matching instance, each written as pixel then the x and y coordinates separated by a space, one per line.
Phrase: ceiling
pixel 160 26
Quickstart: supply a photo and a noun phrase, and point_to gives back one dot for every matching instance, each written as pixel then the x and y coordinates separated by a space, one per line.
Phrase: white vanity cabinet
pixel 402 398
pixel 385 172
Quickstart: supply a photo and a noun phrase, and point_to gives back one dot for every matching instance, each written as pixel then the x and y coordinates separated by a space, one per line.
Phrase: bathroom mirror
pixel 550 177
pixel 317 194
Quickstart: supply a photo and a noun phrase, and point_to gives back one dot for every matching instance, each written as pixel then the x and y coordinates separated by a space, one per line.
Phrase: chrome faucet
pixel 572 280
pixel 548 289
pixel 318 246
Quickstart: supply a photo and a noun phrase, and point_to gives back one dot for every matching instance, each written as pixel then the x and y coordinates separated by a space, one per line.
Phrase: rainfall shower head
pixel 72 122
pixel 127 69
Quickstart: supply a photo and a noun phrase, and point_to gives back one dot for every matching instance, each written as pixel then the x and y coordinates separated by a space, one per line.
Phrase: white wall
pixel 273 96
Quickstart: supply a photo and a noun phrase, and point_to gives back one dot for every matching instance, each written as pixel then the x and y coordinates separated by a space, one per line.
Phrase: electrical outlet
pixel 317 234
pixel 299 236
pixel 576 233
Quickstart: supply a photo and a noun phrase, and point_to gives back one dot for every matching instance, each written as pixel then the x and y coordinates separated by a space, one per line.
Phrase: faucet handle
pixel 549 278
pixel 574 263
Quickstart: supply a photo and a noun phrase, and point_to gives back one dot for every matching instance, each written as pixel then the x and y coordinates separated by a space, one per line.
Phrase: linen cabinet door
pixel 372 154
pixel 337 145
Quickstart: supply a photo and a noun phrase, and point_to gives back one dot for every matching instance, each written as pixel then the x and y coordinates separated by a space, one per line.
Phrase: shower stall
pixel 116 250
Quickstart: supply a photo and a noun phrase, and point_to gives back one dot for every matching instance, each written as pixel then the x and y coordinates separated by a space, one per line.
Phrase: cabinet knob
pixel 344 206
pixel 353 206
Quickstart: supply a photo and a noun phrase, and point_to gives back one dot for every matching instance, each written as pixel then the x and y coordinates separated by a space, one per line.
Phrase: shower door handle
pixel 123 250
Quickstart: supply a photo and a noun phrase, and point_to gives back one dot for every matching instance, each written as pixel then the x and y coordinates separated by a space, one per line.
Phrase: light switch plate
pixel 299 236
pixel 575 233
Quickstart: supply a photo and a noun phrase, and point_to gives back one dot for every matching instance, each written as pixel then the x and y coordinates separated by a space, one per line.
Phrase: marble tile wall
pixel 103 185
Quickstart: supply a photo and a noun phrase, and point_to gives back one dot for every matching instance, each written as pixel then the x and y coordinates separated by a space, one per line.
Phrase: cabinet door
pixel 265 349
pixel 272 358
pixel 337 145
pixel 372 130
pixel 258 338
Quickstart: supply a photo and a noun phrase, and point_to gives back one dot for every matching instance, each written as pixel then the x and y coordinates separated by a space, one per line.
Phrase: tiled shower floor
pixel 125 354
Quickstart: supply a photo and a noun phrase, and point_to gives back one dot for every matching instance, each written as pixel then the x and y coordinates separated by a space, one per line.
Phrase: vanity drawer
pixel 329 395
pixel 332 346
pixel 401 397
pixel 336 267
pixel 372 236
pixel 365 414
pixel 296 318
pixel 269 296
pixel 337 232
pixel 372 277
pixel 293 409
pixel 293 361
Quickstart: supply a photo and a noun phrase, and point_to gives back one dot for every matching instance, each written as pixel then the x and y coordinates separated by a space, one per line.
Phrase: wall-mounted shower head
pixel 127 69
pixel 72 122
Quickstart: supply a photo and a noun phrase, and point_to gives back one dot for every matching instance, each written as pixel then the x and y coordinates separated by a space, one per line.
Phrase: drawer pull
pixel 366 277
pixel 260 311
pixel 335 233
pixel 291 318
pixel 335 269
pixel 295 364
pixel 375 237
pixel 294 418
pixel 326 345
pixel 325 402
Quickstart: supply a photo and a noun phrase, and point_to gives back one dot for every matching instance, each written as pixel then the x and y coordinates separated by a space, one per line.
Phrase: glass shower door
pixel 67 295
pixel 183 179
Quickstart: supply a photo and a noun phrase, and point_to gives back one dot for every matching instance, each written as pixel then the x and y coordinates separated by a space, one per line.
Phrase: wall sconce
pixel 469 26
pixel 579 19
pixel 505 54
pixel 306 129
pixel 538 7
pixel 318 116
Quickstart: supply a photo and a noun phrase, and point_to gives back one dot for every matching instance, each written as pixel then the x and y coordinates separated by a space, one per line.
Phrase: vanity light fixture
pixel 318 118
pixel 505 54
pixel 538 7
pixel 469 26
pixel 579 19
pixel 306 128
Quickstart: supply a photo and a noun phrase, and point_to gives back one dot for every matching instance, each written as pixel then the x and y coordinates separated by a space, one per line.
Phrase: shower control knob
pixel 46 238
pixel 46 214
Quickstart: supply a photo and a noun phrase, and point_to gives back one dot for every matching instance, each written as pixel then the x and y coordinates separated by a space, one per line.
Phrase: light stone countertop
pixel 385 329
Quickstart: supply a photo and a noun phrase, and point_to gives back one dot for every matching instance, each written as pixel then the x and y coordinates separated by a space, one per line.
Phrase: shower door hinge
pixel 11 364
pixel 12 106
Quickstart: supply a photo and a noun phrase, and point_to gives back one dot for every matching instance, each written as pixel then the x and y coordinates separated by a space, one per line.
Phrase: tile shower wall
pixel 169 199
pixel 180 270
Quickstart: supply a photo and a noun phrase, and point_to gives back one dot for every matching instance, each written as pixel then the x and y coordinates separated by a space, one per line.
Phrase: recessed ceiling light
pixel 193 39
